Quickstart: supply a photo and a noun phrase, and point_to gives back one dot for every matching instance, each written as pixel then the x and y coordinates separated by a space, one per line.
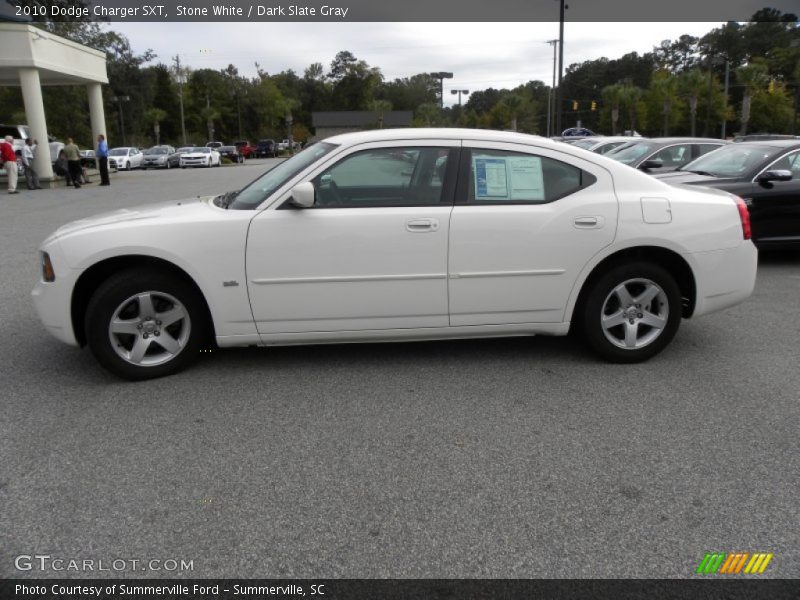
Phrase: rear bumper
pixel 724 277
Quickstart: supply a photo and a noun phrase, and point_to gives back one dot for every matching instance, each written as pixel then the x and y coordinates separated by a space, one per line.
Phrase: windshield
pixel 184 149
pixel 730 161
pixel 586 144
pixel 255 193
pixel 156 150
pixel 119 152
pixel 632 153
pixel 201 150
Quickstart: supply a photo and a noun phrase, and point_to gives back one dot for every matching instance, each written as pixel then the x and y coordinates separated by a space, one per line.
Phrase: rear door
pixel 525 223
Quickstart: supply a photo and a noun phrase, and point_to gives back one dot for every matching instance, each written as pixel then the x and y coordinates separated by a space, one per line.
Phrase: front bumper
pixel 53 301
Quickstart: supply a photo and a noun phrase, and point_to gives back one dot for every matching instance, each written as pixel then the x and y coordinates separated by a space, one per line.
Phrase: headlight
pixel 48 274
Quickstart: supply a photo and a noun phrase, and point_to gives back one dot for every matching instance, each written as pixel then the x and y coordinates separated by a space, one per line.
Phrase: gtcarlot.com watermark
pixel 47 563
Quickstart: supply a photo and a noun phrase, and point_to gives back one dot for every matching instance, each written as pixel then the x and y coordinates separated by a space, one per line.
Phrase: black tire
pixel 655 320
pixel 116 297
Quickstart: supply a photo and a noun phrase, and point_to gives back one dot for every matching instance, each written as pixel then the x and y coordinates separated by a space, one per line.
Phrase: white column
pixel 97 115
pixel 34 111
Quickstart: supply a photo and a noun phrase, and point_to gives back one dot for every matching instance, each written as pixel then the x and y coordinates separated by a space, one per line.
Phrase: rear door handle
pixel 588 222
pixel 422 225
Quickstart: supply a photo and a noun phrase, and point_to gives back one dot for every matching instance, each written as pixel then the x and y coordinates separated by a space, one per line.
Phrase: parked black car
pixel 659 155
pixel 266 148
pixel 231 153
pixel 766 175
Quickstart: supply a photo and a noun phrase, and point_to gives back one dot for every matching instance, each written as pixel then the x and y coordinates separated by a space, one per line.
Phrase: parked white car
pixel 200 157
pixel 410 234
pixel 125 158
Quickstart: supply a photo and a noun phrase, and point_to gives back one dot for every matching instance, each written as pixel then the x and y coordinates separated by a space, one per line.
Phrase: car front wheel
pixel 142 324
pixel 632 312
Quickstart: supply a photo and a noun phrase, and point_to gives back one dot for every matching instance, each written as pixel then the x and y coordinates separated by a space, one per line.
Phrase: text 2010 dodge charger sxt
pixel 401 235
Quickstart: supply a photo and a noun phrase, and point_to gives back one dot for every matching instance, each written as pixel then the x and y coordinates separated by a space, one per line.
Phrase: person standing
pixel 74 162
pixel 9 159
pixel 28 154
pixel 102 159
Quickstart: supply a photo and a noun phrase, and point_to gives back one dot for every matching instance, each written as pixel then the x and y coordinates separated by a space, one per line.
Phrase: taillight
pixel 48 274
pixel 744 217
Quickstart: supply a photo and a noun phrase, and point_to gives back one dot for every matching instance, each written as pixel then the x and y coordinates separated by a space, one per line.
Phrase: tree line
pixel 678 88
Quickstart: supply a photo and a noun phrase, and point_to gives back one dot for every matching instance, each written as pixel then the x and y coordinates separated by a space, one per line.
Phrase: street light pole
pixel 441 76
pixel 459 92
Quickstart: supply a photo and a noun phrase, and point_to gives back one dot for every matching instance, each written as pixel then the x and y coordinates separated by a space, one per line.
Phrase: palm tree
pixel 380 107
pixel 665 88
pixel 692 84
pixel 612 96
pixel 513 104
pixel 154 116
pixel 752 76
pixel 630 95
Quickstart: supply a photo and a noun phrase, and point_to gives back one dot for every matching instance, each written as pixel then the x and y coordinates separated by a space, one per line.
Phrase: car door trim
pixel 534 273
pixel 349 278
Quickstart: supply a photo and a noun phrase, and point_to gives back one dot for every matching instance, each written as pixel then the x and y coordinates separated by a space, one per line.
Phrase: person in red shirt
pixel 9 159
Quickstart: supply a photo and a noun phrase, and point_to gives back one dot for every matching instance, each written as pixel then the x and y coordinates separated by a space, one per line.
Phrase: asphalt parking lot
pixel 494 458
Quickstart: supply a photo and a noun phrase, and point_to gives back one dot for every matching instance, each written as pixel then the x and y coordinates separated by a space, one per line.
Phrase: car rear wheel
pixel 142 324
pixel 632 312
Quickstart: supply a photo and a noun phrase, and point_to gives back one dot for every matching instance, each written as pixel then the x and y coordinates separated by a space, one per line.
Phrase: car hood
pixel 195 154
pixel 165 211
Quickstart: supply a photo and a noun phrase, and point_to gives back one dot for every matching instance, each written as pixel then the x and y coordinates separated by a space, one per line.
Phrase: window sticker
pixel 491 178
pixel 508 177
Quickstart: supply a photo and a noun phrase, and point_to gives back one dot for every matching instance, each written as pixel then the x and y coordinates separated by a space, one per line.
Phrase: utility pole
pixel 710 90
pixel 559 99
pixel 727 76
pixel 179 75
pixel 554 44
pixel 120 100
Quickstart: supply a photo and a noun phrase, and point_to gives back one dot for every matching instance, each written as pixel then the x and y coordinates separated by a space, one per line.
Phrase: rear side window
pixel 503 177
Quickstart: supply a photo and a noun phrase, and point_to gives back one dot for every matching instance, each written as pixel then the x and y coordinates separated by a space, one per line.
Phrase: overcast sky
pixel 481 55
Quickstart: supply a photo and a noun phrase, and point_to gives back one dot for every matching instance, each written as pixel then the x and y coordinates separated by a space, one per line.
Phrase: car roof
pixel 780 144
pixel 439 133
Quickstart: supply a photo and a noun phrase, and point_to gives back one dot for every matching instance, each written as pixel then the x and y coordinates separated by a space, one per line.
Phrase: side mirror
pixel 303 195
pixel 774 175
pixel 653 163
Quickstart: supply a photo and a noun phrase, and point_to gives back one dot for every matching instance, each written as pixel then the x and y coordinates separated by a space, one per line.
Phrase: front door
pixel 370 255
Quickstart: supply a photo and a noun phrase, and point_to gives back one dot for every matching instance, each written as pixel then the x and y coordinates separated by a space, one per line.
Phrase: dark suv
pixel 266 148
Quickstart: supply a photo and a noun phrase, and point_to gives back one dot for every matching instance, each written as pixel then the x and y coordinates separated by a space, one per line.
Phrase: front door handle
pixel 422 225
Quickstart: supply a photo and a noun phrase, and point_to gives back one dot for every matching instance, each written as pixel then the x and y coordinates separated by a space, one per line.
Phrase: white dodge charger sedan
pixel 394 235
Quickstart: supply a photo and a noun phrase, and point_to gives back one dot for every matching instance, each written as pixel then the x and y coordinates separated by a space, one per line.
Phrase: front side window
pixel 499 176
pixel 790 162
pixel 384 177
pixel 260 189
